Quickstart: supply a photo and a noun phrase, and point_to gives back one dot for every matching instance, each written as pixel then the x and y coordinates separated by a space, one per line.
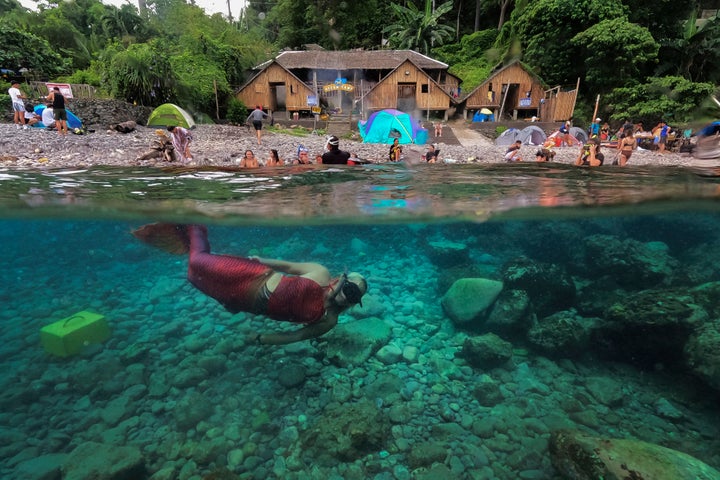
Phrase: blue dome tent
pixel 72 120
pixel 385 126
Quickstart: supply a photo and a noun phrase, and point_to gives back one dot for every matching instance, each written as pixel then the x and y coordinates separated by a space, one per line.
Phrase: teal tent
pixel 169 114
pixel 385 126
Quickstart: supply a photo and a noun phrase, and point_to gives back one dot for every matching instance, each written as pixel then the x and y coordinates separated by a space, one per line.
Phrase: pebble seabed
pixel 180 381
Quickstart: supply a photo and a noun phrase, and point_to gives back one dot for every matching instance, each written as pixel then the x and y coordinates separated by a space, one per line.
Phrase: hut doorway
pixel 509 100
pixel 406 97
pixel 278 96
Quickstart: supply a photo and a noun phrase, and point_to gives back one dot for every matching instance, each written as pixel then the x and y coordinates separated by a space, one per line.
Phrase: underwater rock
pixel 487 391
pixel 191 409
pixel 347 432
pixel 469 298
pixel 649 327
pixel 578 456
pixel 486 351
pixel 353 343
pixel 563 334
pixel 511 314
pixel 702 353
pixel 389 354
pixel 426 453
pixel 549 285
pixel 98 461
pixel 292 376
pixel 607 391
pixel 631 263
pixel 445 254
pixel 45 467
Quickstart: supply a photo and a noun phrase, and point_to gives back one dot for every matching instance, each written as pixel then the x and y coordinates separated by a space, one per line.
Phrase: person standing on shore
pixel 57 100
pixel 256 117
pixel 18 106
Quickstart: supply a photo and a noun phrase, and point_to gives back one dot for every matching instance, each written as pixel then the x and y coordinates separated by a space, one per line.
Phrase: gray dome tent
pixel 532 135
pixel 508 137
pixel 579 133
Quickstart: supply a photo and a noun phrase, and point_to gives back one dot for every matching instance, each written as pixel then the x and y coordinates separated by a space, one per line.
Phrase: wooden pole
pixel 597 104
pixel 502 106
pixel 217 104
pixel 577 89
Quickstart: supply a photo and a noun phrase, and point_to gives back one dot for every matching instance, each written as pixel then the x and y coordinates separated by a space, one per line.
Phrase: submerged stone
pixel 469 298
pixel 578 456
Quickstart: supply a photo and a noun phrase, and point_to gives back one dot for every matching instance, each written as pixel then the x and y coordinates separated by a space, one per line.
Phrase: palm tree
pixel 419 30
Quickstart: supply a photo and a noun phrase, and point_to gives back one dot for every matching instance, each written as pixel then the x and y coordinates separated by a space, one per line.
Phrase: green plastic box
pixel 70 335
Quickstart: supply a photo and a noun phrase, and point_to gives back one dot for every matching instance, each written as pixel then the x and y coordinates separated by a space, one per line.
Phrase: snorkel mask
pixel 350 290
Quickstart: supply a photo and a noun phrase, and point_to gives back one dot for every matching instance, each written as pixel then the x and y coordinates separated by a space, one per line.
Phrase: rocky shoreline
pixel 224 145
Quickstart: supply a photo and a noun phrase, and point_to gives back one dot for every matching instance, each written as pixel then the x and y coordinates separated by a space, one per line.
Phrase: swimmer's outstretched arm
pixel 311 331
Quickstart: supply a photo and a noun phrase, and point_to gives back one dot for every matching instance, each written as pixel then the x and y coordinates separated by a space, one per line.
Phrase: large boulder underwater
pixel 579 456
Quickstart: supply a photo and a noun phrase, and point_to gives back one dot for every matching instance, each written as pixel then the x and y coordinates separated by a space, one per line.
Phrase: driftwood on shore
pixel 161 147
pixel 124 127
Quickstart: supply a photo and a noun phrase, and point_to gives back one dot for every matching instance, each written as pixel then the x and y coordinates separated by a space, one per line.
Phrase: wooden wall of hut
pixel 260 90
pixel 428 95
pixel 563 105
pixel 512 74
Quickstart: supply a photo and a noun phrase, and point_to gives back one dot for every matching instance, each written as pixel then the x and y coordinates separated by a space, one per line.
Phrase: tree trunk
pixel 503 10
pixel 477 15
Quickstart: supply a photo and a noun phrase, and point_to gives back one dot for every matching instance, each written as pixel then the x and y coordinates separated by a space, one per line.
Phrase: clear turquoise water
pixel 66 247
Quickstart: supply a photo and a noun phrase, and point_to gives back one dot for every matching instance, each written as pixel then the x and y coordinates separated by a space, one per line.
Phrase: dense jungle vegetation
pixel 648 59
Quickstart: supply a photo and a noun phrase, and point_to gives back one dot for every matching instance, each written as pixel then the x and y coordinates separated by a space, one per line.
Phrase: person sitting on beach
pixel 590 155
pixel 564 130
pixel 274 159
pixel 626 146
pixel 48 119
pixel 249 160
pixel 31 118
pixel 334 156
pixel 605 131
pixel 438 129
pixel 161 147
pixel 431 156
pixel 513 152
pixel 395 151
pixel 545 155
pixel 301 293
pixel 181 139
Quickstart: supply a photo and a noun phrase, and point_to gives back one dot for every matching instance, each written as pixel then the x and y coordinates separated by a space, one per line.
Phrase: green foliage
pixel 142 74
pixel 674 99
pixel 5 102
pixel 545 27
pixel 195 76
pixel 615 52
pixel 419 30
pixel 472 47
pixel 25 50
pixel 472 74
pixel 237 112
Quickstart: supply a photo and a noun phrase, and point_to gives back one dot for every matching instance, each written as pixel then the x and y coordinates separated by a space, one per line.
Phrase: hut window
pixel 292 88
pixel 424 88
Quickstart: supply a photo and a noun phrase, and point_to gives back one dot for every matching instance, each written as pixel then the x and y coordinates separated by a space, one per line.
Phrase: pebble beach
pixel 224 145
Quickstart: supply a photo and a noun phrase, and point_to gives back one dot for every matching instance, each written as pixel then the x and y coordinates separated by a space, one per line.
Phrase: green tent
pixel 169 114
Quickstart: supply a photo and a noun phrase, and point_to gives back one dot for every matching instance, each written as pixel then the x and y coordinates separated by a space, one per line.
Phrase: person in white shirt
pixel 48 118
pixel 18 106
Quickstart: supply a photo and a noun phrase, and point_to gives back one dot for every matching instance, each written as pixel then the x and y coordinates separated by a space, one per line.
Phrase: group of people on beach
pixel 624 142
pixel 24 116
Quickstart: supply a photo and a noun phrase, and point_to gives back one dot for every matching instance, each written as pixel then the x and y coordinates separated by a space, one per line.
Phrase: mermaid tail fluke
pixel 170 237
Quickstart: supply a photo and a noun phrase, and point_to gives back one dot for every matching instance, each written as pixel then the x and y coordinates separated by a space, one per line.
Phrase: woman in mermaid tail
pixel 302 293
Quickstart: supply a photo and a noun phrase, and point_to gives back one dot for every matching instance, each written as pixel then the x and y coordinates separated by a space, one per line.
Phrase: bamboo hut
pixel 514 91
pixel 341 81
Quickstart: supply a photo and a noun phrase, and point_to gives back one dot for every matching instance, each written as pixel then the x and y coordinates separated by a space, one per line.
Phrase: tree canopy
pixel 172 49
